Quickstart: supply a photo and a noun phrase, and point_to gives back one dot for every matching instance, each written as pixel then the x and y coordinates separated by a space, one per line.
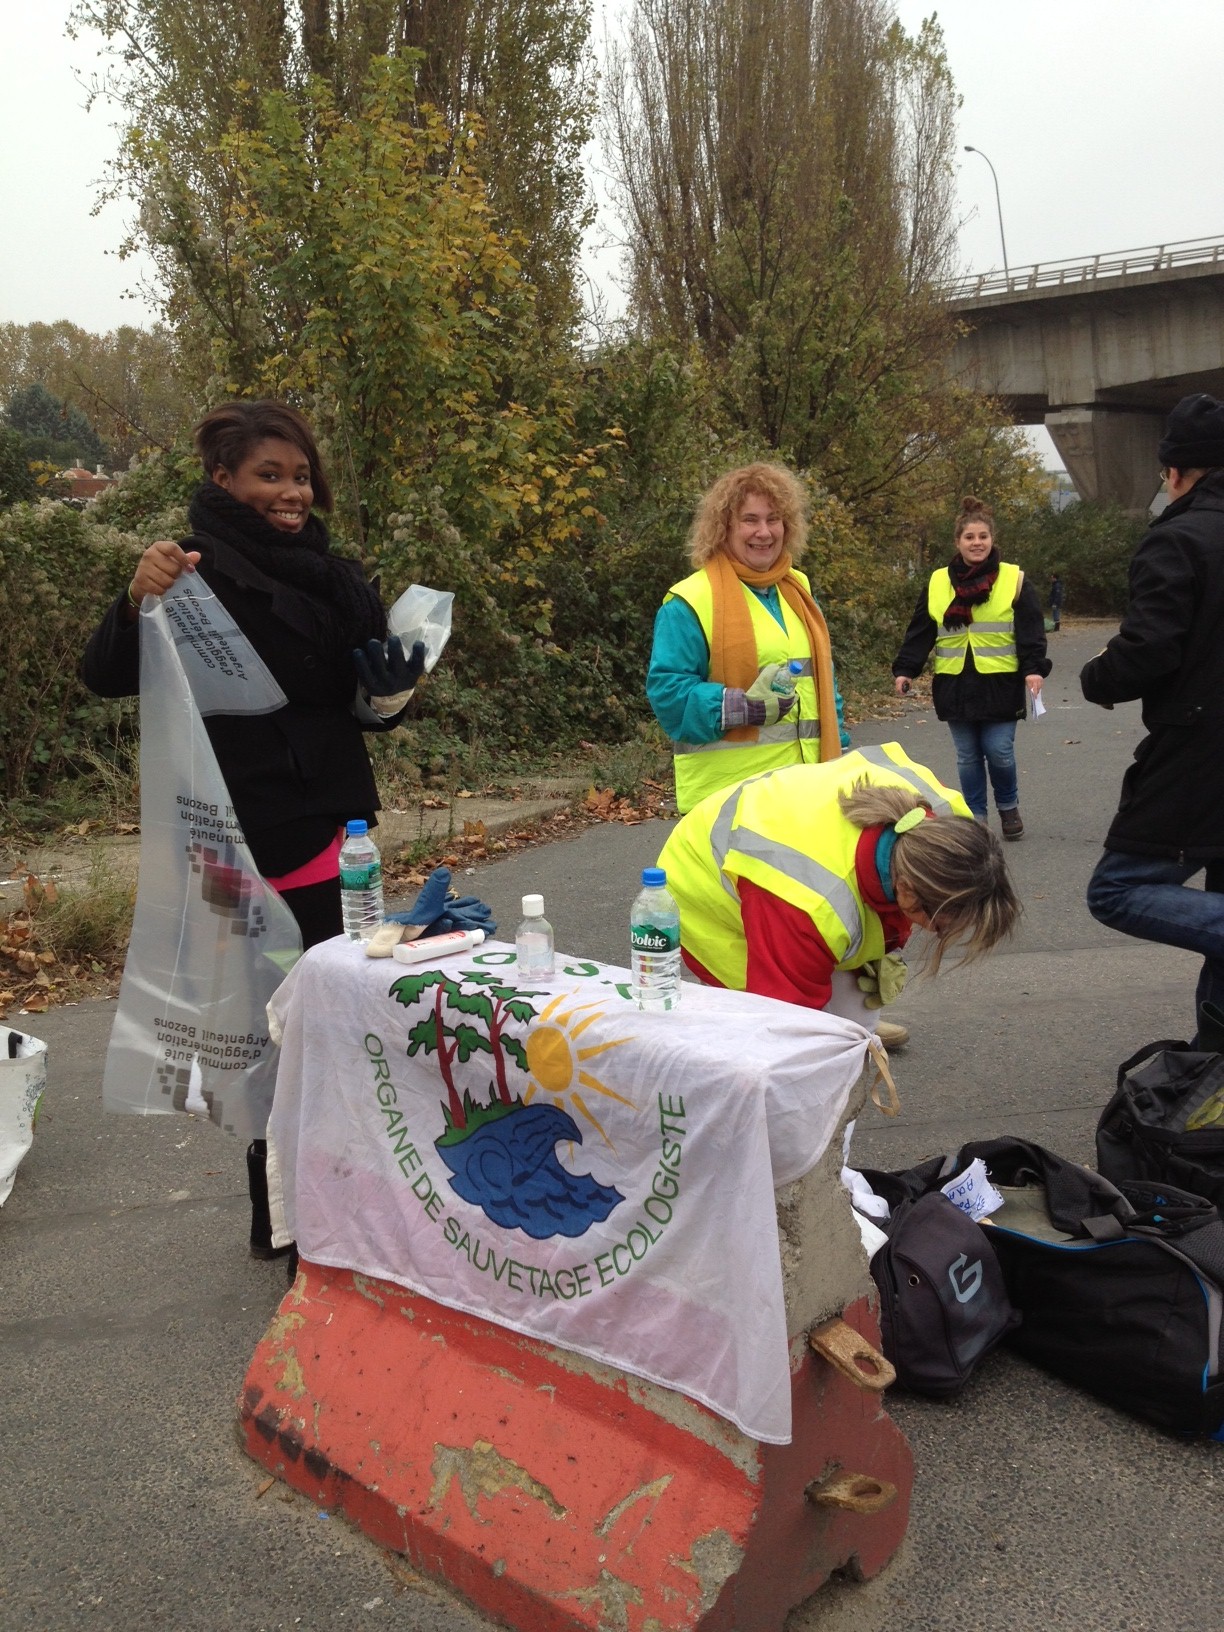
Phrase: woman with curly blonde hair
pixel 727 635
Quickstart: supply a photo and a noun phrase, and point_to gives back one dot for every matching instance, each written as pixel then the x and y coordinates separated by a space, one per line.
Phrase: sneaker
pixel 891 1034
pixel 1013 827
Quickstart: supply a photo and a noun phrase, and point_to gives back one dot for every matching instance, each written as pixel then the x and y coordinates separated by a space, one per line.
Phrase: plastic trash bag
pixel 212 940
pixel 23 1076
pixel 422 614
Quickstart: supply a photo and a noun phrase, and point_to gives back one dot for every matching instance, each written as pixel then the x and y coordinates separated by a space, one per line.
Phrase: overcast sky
pixel 1104 120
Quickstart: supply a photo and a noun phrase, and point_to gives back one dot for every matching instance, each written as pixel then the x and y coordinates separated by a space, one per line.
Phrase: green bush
pixel 57 575
pixel 1089 546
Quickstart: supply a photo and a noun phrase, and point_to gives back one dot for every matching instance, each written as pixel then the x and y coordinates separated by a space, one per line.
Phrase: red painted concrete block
pixel 557 1495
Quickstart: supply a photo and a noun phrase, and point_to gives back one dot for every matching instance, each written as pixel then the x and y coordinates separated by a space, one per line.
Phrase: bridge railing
pixel 1051 274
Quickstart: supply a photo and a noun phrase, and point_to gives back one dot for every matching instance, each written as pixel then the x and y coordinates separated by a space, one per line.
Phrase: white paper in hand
pixel 1036 707
pixel 973 1192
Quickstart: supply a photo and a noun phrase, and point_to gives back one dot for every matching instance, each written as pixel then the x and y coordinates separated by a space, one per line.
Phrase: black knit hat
pixel 1194 435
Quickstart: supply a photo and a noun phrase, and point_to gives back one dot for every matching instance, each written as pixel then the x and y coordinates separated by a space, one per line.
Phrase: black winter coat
pixel 970 695
pixel 1169 653
pixel 293 776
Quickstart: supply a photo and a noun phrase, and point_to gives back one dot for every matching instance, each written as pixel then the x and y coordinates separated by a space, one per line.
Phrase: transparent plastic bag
pixel 211 940
pixel 422 614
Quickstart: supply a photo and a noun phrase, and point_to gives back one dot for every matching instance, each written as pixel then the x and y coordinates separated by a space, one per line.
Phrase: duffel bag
pixel 1166 1121
pixel 943 1304
pixel 1121 1289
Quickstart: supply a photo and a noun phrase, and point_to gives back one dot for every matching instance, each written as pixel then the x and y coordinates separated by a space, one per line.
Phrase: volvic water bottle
pixel 533 941
pixel 361 890
pixel 784 681
pixel 654 944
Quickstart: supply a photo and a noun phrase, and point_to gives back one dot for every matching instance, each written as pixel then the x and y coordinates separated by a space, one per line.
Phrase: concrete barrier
pixel 559 1494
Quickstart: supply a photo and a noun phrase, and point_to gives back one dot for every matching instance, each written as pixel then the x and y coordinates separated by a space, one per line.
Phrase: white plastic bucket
pixel 23 1076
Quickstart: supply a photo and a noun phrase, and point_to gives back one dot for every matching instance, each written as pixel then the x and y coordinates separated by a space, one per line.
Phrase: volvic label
pixel 650 938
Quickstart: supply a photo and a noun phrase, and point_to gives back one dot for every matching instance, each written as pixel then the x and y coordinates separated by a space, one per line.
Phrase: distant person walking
pixel 1056 602
pixel 987 630
pixel 1169 653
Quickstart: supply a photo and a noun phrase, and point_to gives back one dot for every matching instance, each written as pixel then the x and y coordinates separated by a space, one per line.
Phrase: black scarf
pixel 346 609
pixel 971 585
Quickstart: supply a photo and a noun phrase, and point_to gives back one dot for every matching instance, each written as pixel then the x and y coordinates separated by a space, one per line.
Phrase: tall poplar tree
pixel 784 172
pixel 520 71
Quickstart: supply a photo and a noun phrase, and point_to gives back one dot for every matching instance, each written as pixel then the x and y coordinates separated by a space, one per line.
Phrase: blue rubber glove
pixel 436 911
pixel 464 912
pixel 383 669
pixel 430 902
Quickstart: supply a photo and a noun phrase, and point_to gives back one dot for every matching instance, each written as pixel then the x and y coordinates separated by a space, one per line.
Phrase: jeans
pixel 1147 896
pixel 994 743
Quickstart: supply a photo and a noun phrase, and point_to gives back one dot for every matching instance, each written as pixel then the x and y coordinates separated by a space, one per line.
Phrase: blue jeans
pixel 981 746
pixel 1147 896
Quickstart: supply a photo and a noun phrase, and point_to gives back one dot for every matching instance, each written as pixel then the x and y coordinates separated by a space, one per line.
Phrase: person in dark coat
pixel 1056 602
pixel 1169 654
pixel 297 775
pixel 984 622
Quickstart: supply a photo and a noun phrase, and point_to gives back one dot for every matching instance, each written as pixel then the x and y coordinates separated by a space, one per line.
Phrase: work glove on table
pixel 387 677
pixel 760 704
pixel 436 911
pixel 883 980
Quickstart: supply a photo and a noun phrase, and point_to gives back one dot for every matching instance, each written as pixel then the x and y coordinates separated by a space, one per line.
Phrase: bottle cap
pixel 795 665
pixel 533 906
pixel 356 826
pixel 653 877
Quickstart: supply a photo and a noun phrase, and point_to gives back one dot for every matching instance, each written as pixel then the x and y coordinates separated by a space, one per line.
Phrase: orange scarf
pixel 733 648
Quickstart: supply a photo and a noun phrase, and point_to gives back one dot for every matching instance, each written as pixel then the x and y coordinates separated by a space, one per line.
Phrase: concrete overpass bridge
pixel 1098 351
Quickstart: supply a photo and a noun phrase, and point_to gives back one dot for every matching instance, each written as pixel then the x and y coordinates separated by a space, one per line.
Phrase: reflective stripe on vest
pixel 702 768
pixel 991 635
pixel 809 874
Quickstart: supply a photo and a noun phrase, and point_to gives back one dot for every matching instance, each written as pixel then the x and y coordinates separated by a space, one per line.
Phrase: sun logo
pixel 555 1062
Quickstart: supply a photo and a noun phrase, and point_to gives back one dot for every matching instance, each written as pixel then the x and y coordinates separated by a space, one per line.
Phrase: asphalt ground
pixel 129 1309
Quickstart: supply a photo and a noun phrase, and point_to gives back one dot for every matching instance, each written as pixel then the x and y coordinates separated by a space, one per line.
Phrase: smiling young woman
pixel 986 627
pixel 297 775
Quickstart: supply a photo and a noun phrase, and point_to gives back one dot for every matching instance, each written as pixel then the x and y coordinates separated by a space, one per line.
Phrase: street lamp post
pixel 998 205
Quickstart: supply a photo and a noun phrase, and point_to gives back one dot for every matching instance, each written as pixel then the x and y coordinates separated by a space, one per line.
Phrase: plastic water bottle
pixel 654 944
pixel 361 889
pixel 533 941
pixel 784 680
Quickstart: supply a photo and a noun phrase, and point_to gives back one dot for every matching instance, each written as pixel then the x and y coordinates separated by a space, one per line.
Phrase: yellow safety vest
pixel 785 831
pixel 703 768
pixel 991 636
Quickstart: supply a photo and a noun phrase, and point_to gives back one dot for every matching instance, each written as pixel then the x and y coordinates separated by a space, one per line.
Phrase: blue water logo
pixel 507 1166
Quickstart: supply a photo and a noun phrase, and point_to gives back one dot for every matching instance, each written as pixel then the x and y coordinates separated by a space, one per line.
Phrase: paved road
pixel 128 1310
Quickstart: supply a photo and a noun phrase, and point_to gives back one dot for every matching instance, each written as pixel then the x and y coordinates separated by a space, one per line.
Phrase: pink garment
pixel 315 871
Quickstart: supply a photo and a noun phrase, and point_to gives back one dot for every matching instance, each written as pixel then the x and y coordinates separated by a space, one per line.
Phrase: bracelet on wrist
pixel 131 600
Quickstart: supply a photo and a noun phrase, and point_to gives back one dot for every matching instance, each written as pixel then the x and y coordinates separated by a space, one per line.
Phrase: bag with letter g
pixel 943 1304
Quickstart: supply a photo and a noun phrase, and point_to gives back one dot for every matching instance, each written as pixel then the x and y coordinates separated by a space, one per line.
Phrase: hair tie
pixel 911 819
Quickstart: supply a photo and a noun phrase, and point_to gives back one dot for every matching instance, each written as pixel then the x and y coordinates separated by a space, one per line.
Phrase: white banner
pixel 211 940
pixel 555 1160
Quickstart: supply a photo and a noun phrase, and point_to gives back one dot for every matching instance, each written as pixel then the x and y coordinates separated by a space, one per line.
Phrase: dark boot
pixel 261 1217
pixel 1013 827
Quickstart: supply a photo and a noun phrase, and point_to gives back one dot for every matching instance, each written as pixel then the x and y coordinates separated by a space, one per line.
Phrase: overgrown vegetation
pixel 380 222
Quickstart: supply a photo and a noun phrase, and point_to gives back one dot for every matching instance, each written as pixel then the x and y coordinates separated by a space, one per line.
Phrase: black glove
pixel 383 669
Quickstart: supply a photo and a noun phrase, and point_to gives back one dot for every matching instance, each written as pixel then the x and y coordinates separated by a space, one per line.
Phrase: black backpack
pixel 1121 1289
pixel 1142 1132
pixel 943 1304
